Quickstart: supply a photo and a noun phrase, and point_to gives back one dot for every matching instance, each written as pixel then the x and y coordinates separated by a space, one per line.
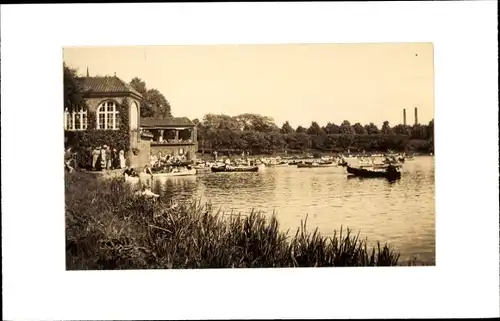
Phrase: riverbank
pixel 108 227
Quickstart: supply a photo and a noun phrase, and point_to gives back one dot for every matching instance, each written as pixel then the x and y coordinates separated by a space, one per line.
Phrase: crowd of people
pixel 104 157
pixel 161 160
pixel 101 158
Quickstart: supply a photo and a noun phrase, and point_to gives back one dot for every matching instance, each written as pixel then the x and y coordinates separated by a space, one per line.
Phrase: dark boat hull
pixel 234 169
pixel 359 172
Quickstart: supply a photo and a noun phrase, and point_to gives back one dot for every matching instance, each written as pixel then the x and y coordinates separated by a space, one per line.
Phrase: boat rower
pixel 130 172
pixel 391 169
pixel 147 170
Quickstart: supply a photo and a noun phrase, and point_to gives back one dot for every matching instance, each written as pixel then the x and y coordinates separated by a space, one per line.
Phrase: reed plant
pixel 109 227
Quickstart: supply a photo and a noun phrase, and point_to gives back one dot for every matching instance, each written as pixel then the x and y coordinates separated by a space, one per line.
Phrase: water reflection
pixel 400 213
pixel 179 188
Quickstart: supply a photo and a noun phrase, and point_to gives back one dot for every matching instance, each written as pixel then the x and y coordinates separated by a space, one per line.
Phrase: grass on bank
pixel 108 227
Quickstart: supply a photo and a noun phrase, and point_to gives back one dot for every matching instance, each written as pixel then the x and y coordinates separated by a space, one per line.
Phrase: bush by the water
pixel 109 227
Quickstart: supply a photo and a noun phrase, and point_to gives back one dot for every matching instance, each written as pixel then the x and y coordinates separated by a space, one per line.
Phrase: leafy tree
pixel 256 122
pixel 418 132
pixel 399 129
pixel 276 141
pixel 430 129
pixel 430 133
pixel 359 129
pixel 155 101
pixel 331 128
pixel 386 128
pixel 372 129
pixel 73 92
pixel 301 129
pixel 314 129
pixel 301 141
pixel 286 128
pixel 318 142
pixel 139 85
pixel 346 128
pixel 221 121
pixel 153 104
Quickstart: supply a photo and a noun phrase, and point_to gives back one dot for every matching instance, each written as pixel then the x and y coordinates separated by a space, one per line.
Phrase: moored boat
pixel 202 169
pixel 228 168
pixel 316 165
pixel 281 164
pixel 187 172
pixel 391 173
pixel 379 165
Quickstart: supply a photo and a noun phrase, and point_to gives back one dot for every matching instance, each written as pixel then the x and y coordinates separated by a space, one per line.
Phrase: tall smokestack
pixel 416 116
pixel 404 117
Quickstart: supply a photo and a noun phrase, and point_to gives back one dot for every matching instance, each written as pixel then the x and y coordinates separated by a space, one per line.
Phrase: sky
pixel 299 83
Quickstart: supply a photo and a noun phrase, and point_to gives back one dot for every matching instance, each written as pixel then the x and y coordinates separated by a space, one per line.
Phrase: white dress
pixel 122 160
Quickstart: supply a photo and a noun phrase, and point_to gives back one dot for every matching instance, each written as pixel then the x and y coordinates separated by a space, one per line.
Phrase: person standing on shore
pixel 122 159
pixel 116 161
pixel 103 157
pixel 215 156
pixel 95 157
pixel 68 157
pixel 108 158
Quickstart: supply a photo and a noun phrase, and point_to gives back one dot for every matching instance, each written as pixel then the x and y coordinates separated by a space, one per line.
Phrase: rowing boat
pixel 188 172
pixel 316 165
pixel 227 168
pixel 364 173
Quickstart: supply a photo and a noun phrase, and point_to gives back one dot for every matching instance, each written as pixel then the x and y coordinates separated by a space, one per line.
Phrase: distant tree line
pixel 259 134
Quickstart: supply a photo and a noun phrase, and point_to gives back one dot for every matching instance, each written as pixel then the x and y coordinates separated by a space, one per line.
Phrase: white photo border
pixel 463 284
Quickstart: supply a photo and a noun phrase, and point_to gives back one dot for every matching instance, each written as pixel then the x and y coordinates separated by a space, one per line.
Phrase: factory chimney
pixel 416 116
pixel 404 117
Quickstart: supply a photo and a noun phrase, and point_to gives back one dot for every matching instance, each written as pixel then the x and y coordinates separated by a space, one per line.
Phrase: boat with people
pixel 202 168
pixel 230 168
pixel 380 165
pixel 276 162
pixel 281 164
pixel 390 173
pixel 316 165
pixel 132 176
pixel 342 163
pixel 181 164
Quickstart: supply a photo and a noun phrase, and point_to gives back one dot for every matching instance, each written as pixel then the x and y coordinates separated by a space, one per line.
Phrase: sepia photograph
pixel 228 161
pixel 249 156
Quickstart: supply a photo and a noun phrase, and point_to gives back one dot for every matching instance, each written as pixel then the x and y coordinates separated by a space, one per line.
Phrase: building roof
pixel 107 84
pixel 151 122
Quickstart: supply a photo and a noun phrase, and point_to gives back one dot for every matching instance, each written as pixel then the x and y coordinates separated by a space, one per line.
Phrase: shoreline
pixel 107 227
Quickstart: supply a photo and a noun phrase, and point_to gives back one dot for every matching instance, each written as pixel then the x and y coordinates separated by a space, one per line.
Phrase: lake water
pixel 401 213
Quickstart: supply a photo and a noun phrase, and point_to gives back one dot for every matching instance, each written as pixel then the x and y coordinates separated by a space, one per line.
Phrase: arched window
pixel 76 120
pixel 107 116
